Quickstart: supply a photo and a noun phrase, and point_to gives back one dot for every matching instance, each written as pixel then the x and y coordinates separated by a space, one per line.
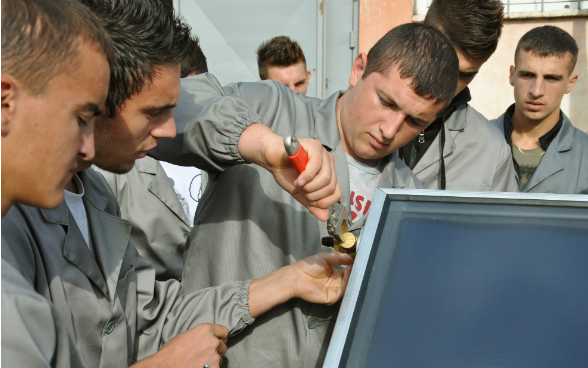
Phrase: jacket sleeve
pixel 163 311
pixel 33 334
pixel 210 120
pixel 505 179
pixel 209 124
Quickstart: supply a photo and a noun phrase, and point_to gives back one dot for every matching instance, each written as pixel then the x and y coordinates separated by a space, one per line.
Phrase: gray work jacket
pixel 564 167
pixel 475 153
pixel 252 227
pixel 33 333
pixel 160 227
pixel 114 310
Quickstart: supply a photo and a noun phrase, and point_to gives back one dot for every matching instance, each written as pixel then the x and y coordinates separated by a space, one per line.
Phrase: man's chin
pixel 116 168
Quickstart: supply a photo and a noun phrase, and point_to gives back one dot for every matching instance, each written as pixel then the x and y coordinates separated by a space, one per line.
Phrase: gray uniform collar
pixel 160 189
pixel 110 236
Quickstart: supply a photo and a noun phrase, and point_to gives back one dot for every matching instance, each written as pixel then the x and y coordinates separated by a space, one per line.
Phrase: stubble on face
pixel 137 126
pixel 381 113
pixel 539 86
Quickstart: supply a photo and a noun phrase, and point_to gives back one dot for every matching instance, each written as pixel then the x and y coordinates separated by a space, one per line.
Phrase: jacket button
pixel 109 327
pixel 186 235
pixel 312 323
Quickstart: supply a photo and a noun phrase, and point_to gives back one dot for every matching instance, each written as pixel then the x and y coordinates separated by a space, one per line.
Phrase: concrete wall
pixel 491 91
pixel 377 17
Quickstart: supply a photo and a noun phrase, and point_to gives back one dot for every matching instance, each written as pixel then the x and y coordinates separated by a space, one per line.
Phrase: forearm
pixel 270 291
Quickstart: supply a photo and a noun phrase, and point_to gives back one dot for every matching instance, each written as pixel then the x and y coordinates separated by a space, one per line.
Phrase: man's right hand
pixel 316 187
pixel 205 343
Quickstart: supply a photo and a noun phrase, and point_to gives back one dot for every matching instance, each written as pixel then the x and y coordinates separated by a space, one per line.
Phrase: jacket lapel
pixel 551 163
pixel 327 132
pixel 453 126
pixel 160 186
pixel 75 249
pixel 110 236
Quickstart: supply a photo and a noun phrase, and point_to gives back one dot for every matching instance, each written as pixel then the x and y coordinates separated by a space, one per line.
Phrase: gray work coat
pixel 114 310
pixel 160 227
pixel 564 167
pixel 252 227
pixel 33 333
pixel 475 153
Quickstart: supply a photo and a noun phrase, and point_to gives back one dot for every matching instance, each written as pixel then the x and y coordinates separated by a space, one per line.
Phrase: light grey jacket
pixel 33 333
pixel 160 227
pixel 114 310
pixel 476 156
pixel 564 167
pixel 252 227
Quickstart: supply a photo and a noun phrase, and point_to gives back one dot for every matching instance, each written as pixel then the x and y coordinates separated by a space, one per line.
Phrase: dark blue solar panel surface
pixel 469 285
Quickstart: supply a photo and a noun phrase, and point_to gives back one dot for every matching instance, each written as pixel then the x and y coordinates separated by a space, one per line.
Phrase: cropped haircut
pixel 549 41
pixel 146 37
pixel 422 54
pixel 41 39
pixel 474 26
pixel 196 63
pixel 279 51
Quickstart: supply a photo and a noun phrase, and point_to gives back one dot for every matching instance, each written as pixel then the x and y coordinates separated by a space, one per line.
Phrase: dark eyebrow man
pixel 49 104
pixel 281 59
pixel 462 150
pixel 550 154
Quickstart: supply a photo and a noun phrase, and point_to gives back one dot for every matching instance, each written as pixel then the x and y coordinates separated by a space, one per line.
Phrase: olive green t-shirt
pixel 528 160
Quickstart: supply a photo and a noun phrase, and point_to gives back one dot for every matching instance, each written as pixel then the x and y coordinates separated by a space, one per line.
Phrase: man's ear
pixel 571 83
pixel 9 94
pixel 511 77
pixel 357 69
pixel 308 75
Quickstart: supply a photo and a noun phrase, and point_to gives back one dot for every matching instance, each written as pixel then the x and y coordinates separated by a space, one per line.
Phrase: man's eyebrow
pixel 156 109
pixel 301 81
pixel 389 99
pixel 92 107
pixel 526 72
pixel 556 76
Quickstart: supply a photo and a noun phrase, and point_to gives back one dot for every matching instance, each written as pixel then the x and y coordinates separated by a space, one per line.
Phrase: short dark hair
pixel 146 36
pixel 279 51
pixel 196 63
pixel 41 39
pixel 549 41
pixel 422 54
pixel 474 26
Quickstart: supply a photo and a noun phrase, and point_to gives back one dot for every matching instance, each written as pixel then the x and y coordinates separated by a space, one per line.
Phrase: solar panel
pixel 454 279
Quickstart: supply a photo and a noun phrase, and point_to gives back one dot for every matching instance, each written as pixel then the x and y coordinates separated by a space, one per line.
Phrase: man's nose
pixel 538 87
pixel 167 128
pixel 390 127
pixel 86 148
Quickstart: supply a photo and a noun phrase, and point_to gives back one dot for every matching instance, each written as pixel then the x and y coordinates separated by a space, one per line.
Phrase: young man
pixel 156 207
pixel 550 155
pixel 244 218
pixel 79 255
pixel 462 150
pixel 282 60
pixel 49 104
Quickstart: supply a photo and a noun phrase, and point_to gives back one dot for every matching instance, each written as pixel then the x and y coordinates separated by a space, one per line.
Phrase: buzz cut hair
pixel 474 26
pixel 279 51
pixel 549 41
pixel 41 39
pixel 422 54
pixel 146 36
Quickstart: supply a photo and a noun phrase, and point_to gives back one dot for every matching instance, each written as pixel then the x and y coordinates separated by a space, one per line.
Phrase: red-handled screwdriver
pixel 296 153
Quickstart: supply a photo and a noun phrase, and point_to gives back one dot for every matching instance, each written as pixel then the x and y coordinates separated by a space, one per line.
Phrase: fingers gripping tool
pixel 338 223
